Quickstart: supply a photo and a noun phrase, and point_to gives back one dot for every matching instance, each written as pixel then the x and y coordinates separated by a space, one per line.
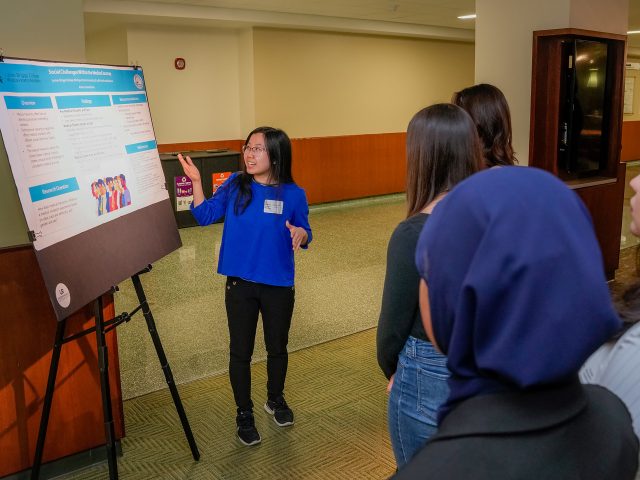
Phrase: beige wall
pixel 41 29
pixel 611 16
pixel 201 102
pixel 309 83
pixel 247 83
pixel 107 47
pixel 322 83
pixel 503 54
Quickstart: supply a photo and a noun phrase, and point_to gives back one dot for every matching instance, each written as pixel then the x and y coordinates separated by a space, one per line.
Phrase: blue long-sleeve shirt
pixel 256 245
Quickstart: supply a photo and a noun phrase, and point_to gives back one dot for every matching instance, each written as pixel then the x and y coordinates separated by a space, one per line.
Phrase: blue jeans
pixel 419 388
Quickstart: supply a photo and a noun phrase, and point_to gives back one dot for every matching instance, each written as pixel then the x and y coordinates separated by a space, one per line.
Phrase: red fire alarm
pixel 179 63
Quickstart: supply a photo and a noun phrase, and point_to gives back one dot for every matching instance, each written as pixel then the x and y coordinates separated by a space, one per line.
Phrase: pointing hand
pixel 190 170
pixel 299 235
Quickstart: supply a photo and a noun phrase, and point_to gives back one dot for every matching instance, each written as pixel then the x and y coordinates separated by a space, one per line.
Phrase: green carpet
pixel 336 391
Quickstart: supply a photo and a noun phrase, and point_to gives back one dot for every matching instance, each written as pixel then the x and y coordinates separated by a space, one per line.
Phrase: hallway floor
pixel 338 396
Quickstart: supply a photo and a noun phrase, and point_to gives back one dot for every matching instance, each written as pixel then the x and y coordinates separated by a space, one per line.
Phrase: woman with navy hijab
pixel 517 300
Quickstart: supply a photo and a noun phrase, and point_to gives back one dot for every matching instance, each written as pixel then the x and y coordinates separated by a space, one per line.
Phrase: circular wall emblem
pixel 62 295
pixel 137 79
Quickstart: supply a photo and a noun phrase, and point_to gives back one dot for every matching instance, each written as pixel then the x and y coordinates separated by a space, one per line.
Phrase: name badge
pixel 273 206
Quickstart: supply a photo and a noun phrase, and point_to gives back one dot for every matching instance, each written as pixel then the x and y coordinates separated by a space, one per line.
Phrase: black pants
pixel 243 301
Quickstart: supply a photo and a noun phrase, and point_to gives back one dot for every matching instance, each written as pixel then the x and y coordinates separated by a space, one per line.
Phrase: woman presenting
pixel 265 221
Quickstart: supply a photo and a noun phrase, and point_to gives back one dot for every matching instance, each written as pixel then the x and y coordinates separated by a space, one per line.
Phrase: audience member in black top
pixel 442 149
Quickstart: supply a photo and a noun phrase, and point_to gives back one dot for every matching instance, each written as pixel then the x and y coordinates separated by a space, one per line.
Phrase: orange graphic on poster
pixel 218 179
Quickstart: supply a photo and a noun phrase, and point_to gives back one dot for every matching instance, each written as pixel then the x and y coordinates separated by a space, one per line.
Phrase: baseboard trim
pixel 71 464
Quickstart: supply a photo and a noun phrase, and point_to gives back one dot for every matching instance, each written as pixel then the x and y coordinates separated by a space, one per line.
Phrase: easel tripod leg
pixel 48 398
pixel 148 316
pixel 103 365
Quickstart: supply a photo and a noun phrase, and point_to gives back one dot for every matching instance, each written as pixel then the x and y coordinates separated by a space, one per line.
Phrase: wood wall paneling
pixel 336 168
pixel 28 328
pixel 630 141
pixel 207 145
pixel 349 167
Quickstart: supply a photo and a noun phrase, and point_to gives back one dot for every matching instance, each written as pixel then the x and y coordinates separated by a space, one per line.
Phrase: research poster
pixel 84 158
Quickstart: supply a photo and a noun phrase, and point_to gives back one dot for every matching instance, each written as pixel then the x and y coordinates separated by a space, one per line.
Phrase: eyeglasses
pixel 254 150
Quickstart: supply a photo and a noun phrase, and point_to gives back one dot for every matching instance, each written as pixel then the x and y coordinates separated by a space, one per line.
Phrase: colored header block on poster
pixel 22 77
pixel 141 147
pixel 83 101
pixel 53 189
pixel 128 99
pixel 27 103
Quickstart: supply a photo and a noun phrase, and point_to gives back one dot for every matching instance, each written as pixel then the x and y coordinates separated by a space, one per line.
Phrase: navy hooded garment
pixel 517 289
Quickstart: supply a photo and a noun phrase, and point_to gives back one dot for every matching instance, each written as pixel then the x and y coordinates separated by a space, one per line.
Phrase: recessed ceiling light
pixel 629 32
pixel 469 17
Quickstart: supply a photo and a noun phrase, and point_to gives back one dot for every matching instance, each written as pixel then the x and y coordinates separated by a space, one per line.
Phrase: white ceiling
pixel 428 18
pixel 420 12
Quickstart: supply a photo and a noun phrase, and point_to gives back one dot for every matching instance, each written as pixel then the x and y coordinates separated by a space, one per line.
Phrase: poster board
pixel 629 87
pixel 84 159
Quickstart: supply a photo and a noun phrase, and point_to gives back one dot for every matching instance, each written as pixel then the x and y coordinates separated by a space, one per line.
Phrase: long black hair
pixel 443 149
pixel 278 147
pixel 490 112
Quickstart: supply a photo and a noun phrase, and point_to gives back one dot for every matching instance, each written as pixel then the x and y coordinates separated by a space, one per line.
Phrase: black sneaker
pixel 282 414
pixel 247 432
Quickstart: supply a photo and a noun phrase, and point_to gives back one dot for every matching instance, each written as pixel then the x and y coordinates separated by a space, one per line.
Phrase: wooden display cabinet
pixel 576 123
